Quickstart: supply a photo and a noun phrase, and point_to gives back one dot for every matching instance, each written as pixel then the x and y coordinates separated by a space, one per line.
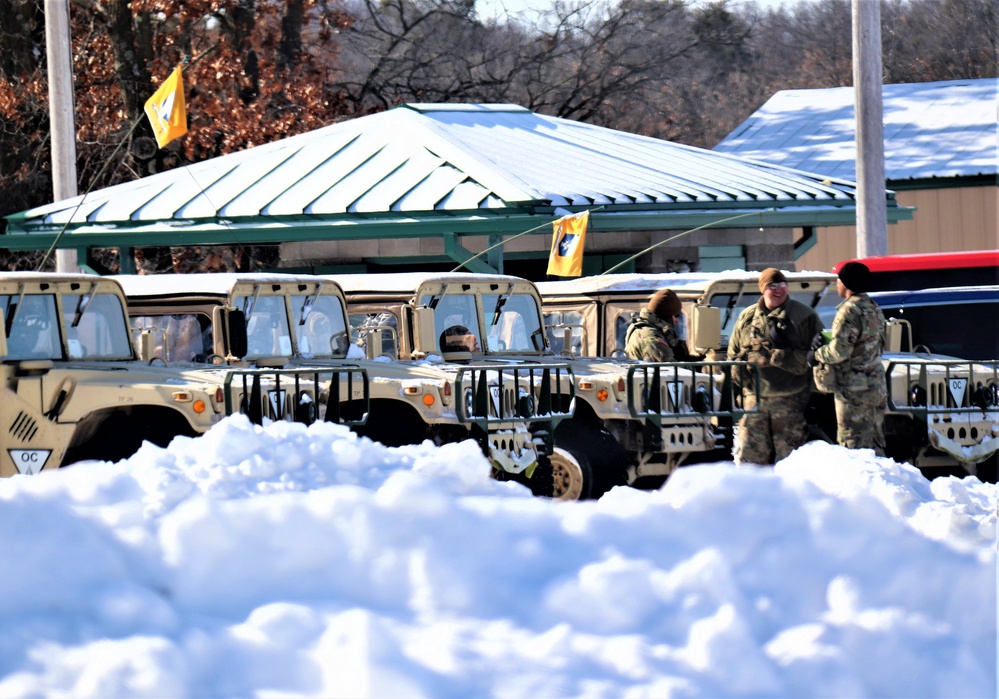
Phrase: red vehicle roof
pixel 927 261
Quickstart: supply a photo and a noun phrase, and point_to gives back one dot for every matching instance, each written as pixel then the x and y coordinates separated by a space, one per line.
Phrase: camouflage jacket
pixel 652 339
pixel 783 372
pixel 858 339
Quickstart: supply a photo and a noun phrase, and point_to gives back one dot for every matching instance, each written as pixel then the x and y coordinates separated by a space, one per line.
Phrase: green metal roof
pixel 439 169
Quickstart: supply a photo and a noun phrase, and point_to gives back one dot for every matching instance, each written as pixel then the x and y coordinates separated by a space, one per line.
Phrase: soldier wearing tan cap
pixel 775 337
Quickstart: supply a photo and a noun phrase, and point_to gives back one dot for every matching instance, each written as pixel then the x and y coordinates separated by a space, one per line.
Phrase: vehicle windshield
pixel 556 336
pixel 957 329
pixel 730 315
pixel 455 315
pixel 32 327
pixel 382 323
pixel 178 337
pixel 267 331
pixel 321 325
pixel 826 307
pixel 99 332
pixel 513 321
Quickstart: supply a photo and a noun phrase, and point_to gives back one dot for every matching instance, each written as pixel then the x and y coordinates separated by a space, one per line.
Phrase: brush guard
pixel 339 395
pixel 676 414
pixel 492 397
pixel 956 401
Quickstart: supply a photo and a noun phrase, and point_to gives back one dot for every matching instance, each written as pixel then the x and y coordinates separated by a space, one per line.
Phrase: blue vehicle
pixel 955 321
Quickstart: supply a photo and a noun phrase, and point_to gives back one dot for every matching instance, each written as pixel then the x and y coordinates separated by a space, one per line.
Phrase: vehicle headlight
pixel 917 396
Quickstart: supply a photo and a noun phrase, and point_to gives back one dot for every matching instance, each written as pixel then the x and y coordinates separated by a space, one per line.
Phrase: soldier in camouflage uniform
pixel 653 335
pixel 774 336
pixel 858 339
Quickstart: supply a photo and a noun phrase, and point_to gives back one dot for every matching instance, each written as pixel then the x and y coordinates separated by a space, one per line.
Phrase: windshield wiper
pixel 310 301
pixel 434 300
pixel 819 294
pixel 82 303
pixel 733 304
pixel 500 302
pixel 14 309
pixel 251 302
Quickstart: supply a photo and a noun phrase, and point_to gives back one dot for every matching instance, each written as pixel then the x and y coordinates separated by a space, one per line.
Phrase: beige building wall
pixel 945 220
pixel 769 247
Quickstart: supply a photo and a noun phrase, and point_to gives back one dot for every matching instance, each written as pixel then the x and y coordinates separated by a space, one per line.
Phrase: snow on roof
pixel 409 281
pixel 52 277
pixel 689 281
pixel 931 130
pixel 220 284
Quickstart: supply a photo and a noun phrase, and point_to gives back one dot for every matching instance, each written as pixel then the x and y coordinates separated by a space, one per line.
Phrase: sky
pixel 294 561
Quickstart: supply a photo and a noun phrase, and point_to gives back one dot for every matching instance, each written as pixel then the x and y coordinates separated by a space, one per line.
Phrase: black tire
pixel 987 469
pixel 602 461
pixel 393 424
pixel 119 434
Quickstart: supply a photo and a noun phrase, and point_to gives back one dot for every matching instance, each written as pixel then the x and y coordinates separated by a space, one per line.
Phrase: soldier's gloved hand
pixel 810 358
pixel 816 342
pixel 778 338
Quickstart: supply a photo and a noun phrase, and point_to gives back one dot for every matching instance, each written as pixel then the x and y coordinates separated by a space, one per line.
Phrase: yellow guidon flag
pixel 568 238
pixel 166 111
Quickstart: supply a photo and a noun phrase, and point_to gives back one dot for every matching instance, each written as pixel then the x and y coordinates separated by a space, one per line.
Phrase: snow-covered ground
pixel 291 561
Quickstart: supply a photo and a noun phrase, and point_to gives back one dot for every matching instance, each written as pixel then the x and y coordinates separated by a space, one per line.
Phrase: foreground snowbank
pixel 285 561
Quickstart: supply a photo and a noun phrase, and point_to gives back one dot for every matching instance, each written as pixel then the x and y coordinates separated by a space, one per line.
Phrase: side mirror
pixel 145 346
pixel 705 327
pixel 373 344
pixel 232 322
pixel 457 356
pixel 425 334
pixel 895 330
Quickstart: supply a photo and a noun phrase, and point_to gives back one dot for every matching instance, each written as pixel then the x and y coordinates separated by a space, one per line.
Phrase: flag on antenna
pixel 568 238
pixel 166 111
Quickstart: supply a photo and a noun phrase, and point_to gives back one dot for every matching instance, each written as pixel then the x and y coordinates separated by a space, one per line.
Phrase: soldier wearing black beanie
pixel 856 277
pixel 851 363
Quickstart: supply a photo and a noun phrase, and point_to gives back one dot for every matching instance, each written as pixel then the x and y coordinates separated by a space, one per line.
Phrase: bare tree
pixel 939 40
pixel 260 70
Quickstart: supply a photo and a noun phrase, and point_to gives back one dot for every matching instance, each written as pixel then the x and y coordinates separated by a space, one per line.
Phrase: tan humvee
pixel 72 388
pixel 631 419
pixel 598 310
pixel 299 321
pixel 942 411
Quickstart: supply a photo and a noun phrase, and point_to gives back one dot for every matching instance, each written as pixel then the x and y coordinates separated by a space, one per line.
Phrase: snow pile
pixel 293 561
